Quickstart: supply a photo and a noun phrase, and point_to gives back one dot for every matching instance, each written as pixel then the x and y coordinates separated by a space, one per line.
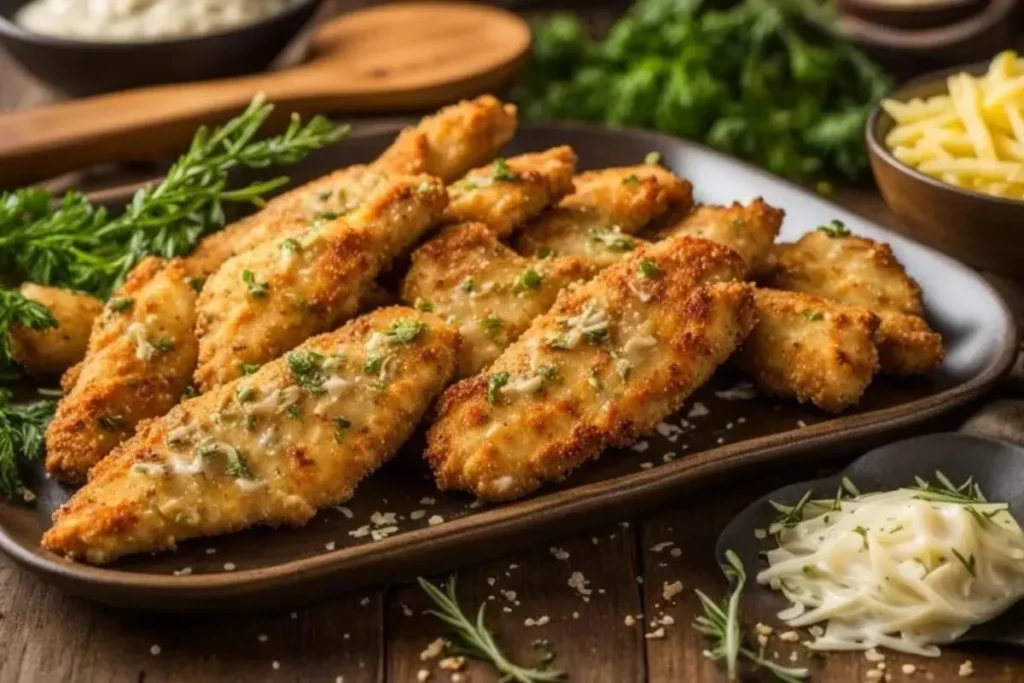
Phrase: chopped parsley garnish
pixel 372 365
pixel 613 241
pixel 250 368
pixel 835 229
pixel 469 185
pixel 110 423
pixel 341 428
pixel 245 394
pixel 650 269
pixel 652 158
pixel 190 392
pixel 863 534
pixel 237 466
pixel 597 336
pixel 492 325
pixel 294 410
pixel 967 562
pixel 120 304
pixel 328 215
pixel 291 246
pixel 308 370
pixel 503 172
pixel 163 345
pixel 814 316
pixel 258 290
pixel 325 196
pixel 423 305
pixel 559 343
pixel 497 381
pixel 529 279
pixel 467 285
pixel 250 422
pixel 546 252
pixel 196 283
pixel 631 179
pixel 404 331
pixel 424 188
pixel 549 373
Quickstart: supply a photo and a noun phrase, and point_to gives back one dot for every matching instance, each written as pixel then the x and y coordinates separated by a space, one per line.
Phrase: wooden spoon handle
pixel 138 124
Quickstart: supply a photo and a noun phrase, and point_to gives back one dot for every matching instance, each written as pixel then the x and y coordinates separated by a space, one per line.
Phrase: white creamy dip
pixel 130 20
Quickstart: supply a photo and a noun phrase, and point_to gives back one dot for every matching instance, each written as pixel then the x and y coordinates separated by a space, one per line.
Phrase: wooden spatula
pixel 389 58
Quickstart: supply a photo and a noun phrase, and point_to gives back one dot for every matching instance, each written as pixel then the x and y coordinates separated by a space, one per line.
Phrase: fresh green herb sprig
pixel 79 245
pixel 721 624
pixel 766 80
pixel 946 492
pixel 475 640
pixel 21 433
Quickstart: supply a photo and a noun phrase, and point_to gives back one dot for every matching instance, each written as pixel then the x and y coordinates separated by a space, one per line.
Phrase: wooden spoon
pixel 393 57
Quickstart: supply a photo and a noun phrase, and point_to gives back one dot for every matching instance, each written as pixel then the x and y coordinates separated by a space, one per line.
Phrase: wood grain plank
pixel 47 636
pixel 586 632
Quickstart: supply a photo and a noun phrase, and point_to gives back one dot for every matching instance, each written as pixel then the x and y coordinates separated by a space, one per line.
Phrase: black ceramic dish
pixel 997 466
pixel 280 567
pixel 79 67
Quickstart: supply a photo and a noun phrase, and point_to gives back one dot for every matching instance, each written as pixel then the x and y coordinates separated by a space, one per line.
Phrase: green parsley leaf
pixel 290 245
pixel 529 279
pixel 650 269
pixel 494 385
pixel 307 369
pixel 492 325
pixel 546 252
pixel 372 365
pixel 404 331
pixel 341 428
pixel 502 172
pixel 245 394
pixel 814 316
pixel 423 305
pixel 120 304
pixel 250 368
pixel 652 158
pixel 163 345
pixel 258 290
pixel 835 229
pixel 631 179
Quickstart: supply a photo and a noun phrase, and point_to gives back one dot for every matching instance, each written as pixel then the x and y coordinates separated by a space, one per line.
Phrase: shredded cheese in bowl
pixel 904 569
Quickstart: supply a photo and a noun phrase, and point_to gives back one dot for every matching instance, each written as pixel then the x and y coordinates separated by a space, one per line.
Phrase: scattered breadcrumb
pixel 874 675
pixel 658 547
pixel 671 590
pixel 345 511
pixel 966 669
pixel 789 637
pixel 579 582
pixel 435 648
pixel 330 545
pixel 275 664
pixel 262 637
pixel 559 554
pixel 763 629
pixel 629 620
pixel 422 675
pixel 435 520
pixel 155 650
pixel 417 514
pixel 452 663
pixel 908 669
pixel 427 501
pixel 873 655
pixel 457 678
pixel 229 566
pixel 698 410
pixel 656 634
pixel 183 572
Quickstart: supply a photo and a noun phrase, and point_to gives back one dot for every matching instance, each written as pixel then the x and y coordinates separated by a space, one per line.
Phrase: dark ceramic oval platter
pixel 996 466
pixel 724 427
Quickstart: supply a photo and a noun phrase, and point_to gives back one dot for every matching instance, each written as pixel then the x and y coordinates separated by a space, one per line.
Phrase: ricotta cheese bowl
pixel 84 47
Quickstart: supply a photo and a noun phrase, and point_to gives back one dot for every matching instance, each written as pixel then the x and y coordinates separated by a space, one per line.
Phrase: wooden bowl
pixel 984 231
pixel 913 15
pixel 86 67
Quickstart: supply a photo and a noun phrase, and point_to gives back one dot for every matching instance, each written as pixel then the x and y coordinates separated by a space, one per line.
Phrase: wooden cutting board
pixel 391 58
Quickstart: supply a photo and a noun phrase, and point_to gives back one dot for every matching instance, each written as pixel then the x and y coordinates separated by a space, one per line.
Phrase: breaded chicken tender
pixel 272 448
pixel 830 262
pixel 610 360
pixel 446 144
pixel 484 289
pixel 272 298
pixel 54 350
pixel 509 192
pixel 141 353
pixel 596 222
pixel 811 349
pixel 749 230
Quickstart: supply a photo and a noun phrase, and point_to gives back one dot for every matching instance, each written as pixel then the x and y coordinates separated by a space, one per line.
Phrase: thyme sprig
pixel 475 640
pixel 721 624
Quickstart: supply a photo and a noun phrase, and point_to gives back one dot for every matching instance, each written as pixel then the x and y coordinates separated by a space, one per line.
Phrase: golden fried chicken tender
pixel 749 230
pixel 272 448
pixel 830 262
pixel 141 353
pixel 272 298
pixel 54 350
pixel 446 144
pixel 610 360
pixel 509 192
pixel 596 222
pixel 811 349
pixel 484 289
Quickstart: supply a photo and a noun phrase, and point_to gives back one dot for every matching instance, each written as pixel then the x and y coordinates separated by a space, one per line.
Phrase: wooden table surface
pixel 379 635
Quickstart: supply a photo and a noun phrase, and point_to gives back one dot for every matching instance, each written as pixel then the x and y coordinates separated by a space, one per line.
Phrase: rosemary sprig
pixel 475 640
pixel 15 309
pixel 721 624
pixel 21 432
pixel 946 492
pixel 79 245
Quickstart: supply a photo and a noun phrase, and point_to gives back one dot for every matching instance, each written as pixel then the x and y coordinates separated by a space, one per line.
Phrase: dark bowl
pixel 80 67
pixel 913 15
pixel 982 230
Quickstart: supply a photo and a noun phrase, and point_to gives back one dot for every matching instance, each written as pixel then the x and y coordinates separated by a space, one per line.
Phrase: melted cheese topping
pixel 897 569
